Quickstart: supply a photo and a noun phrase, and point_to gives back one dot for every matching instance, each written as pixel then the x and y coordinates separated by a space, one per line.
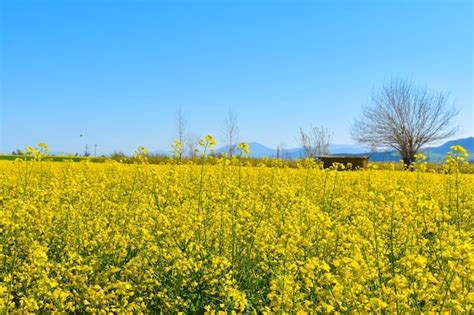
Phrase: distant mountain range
pixel 258 150
pixel 434 154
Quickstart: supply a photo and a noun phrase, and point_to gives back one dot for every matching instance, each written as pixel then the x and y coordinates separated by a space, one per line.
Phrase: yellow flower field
pixel 139 238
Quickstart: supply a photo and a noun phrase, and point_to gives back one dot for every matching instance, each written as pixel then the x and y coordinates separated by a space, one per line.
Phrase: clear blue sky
pixel 117 71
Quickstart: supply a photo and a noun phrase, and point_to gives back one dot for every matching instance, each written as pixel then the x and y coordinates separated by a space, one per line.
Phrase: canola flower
pixel 177 149
pixel 223 237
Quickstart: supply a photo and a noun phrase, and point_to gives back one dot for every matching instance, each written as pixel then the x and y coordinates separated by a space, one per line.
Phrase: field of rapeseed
pixel 132 238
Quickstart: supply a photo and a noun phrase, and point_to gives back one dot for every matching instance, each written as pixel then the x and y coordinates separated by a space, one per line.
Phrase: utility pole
pixel 95 149
pixel 86 153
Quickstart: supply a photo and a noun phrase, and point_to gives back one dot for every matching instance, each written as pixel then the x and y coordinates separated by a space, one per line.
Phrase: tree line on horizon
pixel 401 115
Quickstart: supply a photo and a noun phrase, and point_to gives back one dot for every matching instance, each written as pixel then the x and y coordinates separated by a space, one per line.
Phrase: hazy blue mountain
pixel 257 150
pixel 438 153
pixel 466 143
pixel 434 154
pixel 347 148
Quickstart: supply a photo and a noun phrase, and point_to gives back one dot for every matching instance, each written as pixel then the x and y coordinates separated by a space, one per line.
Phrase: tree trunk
pixel 407 160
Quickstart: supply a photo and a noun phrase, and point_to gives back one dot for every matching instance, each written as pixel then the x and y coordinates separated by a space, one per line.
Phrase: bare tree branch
pixel 315 142
pixel 192 144
pixel 231 131
pixel 181 129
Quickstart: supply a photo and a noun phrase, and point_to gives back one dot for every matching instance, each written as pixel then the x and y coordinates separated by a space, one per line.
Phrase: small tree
pixel 405 117
pixel 231 131
pixel 181 128
pixel 192 145
pixel 177 149
pixel 315 142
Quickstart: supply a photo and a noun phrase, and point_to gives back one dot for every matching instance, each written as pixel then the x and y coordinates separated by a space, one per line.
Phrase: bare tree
pixel 315 142
pixel 283 151
pixel 231 131
pixel 181 128
pixel 405 117
pixel 192 144
pixel 305 143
